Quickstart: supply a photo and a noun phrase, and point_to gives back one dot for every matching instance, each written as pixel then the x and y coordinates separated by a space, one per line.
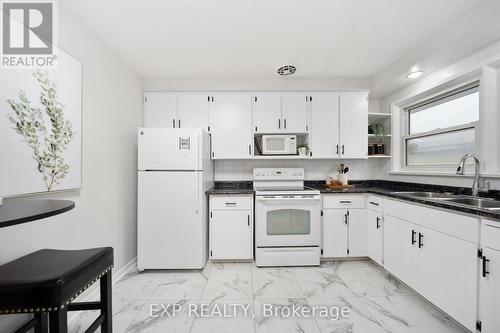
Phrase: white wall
pixel 105 213
pixel 484 63
pixel 254 84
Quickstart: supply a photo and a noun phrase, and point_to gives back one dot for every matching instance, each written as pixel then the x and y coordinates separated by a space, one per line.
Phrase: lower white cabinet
pixel 231 227
pixel 439 266
pixel 448 274
pixel 375 236
pixel 344 226
pixel 489 277
pixel 400 257
pixel 335 233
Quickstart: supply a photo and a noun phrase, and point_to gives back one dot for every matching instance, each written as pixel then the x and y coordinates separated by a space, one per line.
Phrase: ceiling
pixel 228 38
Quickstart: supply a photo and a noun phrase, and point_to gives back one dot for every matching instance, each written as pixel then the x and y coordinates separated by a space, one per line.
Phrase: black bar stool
pixel 45 282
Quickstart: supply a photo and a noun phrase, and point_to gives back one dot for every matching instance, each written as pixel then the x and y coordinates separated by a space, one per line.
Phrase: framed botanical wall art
pixel 40 128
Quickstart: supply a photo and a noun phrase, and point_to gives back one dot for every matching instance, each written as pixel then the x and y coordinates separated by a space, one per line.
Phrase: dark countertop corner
pixel 228 187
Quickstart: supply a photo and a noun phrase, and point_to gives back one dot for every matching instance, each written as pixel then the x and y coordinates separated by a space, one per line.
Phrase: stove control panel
pixel 278 174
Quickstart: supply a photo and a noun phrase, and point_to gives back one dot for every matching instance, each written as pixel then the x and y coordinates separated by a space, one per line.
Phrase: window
pixel 442 129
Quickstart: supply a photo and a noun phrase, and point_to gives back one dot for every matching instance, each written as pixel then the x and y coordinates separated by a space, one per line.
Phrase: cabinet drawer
pixel 374 203
pixel 231 202
pixel 343 201
pixel 490 234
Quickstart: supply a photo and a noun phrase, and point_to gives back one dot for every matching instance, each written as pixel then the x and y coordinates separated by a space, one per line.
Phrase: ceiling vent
pixel 286 70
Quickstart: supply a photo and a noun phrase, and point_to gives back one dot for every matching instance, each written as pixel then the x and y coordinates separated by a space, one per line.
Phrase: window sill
pixel 442 174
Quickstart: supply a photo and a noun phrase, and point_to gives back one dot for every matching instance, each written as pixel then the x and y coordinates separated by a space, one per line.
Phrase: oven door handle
pixel 315 198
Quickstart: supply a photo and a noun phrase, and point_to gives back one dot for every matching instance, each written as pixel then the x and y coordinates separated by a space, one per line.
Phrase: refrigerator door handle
pixel 198 194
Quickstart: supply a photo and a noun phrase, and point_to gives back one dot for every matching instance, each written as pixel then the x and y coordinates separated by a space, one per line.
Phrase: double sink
pixel 456 200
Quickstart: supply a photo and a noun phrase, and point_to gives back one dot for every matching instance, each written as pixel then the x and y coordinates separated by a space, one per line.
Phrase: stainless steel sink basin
pixel 429 195
pixel 489 204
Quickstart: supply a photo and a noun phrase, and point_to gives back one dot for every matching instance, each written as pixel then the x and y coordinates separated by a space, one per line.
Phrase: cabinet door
pixel 489 292
pixel 448 275
pixel 358 233
pixel 400 256
pixel 192 110
pixel 294 113
pixel 231 235
pixel 232 136
pixel 334 233
pixel 160 109
pixel 324 126
pixel 267 113
pixel 353 125
pixel 375 236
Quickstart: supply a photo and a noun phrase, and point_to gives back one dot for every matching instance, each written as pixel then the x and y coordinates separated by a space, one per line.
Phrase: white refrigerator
pixel 174 172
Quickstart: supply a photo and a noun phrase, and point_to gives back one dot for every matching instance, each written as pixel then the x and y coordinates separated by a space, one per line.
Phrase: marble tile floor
pixel 347 296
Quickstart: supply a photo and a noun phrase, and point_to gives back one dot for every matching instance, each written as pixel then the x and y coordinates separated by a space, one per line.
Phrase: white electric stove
pixel 287 218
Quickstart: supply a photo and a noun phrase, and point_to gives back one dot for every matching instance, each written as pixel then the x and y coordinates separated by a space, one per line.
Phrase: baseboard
pixel 93 292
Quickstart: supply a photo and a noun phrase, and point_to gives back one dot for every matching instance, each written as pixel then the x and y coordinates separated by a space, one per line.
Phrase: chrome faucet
pixel 461 169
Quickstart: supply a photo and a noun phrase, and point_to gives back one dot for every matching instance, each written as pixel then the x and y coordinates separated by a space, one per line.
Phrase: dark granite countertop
pixel 390 189
pixel 245 187
pixel 380 187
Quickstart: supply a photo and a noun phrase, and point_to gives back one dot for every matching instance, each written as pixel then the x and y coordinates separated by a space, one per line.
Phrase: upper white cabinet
pixel 231 119
pixel 192 110
pixel 267 113
pixel 280 113
pixel 333 124
pixel 160 109
pixel 324 137
pixel 294 112
pixel 353 125
pixel 187 110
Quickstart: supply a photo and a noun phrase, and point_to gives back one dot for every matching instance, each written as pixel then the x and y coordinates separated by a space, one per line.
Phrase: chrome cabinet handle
pixel 173 123
pixel 373 203
pixel 345 201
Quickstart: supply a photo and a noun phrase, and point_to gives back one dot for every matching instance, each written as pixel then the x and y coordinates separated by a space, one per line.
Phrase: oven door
pixel 287 220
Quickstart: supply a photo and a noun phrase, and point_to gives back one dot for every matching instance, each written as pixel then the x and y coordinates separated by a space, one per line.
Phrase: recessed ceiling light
pixel 414 75
pixel 286 70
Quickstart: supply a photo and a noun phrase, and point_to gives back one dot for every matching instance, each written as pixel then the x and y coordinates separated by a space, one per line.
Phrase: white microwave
pixel 279 144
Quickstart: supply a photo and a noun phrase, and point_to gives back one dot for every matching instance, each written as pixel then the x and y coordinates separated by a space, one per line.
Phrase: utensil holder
pixel 342 178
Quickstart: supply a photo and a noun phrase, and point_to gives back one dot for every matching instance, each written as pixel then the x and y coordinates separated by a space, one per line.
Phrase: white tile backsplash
pixel 233 170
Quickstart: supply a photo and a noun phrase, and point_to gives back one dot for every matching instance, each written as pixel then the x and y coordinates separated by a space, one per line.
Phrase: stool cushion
pixel 50 278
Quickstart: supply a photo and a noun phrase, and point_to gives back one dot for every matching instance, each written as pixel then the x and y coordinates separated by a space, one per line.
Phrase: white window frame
pixel 438 98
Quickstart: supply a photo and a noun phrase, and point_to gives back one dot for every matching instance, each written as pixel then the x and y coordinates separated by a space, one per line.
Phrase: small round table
pixel 23 211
